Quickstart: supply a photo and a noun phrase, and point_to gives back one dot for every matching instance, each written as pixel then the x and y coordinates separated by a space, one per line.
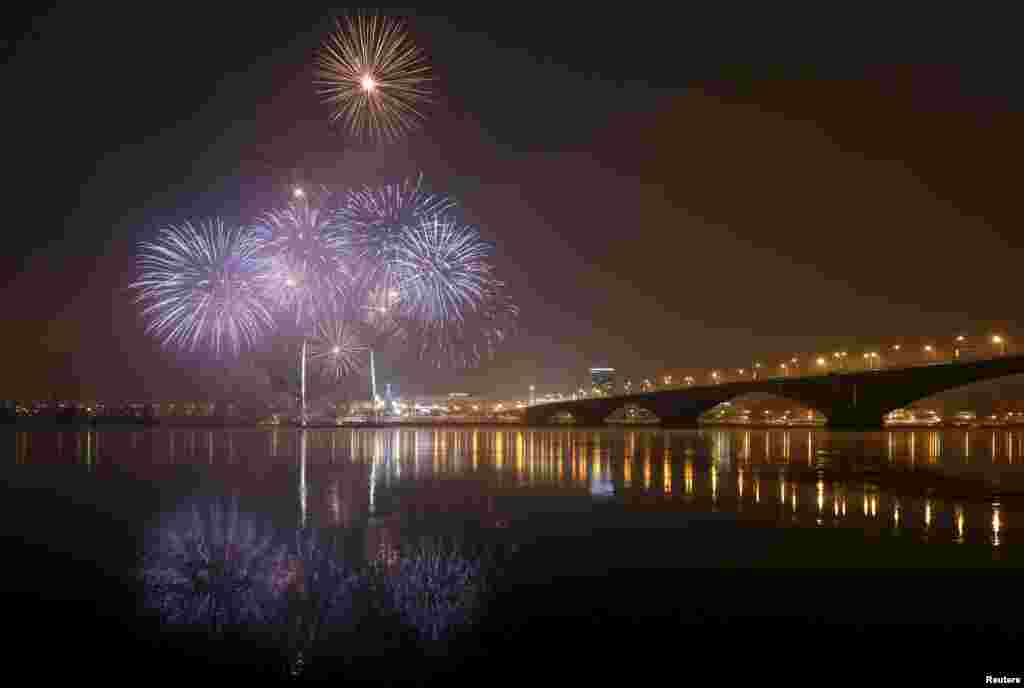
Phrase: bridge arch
pixel 851 400
pixel 633 414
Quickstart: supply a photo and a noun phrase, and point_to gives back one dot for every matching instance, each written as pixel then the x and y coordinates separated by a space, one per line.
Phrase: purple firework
pixel 442 271
pixel 204 287
pixel 306 252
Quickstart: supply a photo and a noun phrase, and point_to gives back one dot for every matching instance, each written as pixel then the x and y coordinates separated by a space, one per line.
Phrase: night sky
pixel 662 190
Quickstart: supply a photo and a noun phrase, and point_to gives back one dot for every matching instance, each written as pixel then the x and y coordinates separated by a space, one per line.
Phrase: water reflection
pixel 938 484
pixel 215 569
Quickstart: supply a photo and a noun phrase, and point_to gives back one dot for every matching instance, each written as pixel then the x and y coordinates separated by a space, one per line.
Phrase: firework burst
pixel 374 77
pixel 204 287
pixel 339 348
pixel 308 273
pixel 448 299
pixel 377 217
pixel 465 343
pixel 442 271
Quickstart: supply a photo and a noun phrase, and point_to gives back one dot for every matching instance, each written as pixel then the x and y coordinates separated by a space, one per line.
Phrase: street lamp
pixel 785 370
pixel 757 367
pixel 821 362
pixel 960 341
pixel 714 376
pixel 1000 342
pixel 929 351
pixel 689 380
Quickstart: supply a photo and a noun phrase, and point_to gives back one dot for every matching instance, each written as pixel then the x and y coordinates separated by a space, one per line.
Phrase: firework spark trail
pixel 204 286
pixel 308 273
pixel 374 77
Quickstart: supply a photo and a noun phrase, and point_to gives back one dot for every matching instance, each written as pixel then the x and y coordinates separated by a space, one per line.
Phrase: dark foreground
pixel 573 601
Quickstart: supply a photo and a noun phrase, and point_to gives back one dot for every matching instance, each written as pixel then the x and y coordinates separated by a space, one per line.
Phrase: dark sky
pixel 663 190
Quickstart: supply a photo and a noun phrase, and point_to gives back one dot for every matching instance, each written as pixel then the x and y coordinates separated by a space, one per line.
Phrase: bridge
pixel 856 400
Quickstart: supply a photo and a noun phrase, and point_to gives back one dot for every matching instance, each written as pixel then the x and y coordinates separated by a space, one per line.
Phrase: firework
pixel 465 343
pixel 374 77
pixel 338 347
pixel 204 286
pixel 442 271
pixel 376 218
pixel 308 274
pixel 448 299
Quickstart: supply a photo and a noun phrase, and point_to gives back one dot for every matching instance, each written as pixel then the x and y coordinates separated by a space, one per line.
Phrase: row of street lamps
pixel 872 360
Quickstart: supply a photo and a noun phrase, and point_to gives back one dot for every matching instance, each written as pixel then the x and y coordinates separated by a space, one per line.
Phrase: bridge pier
pixel 680 422
pixel 854 419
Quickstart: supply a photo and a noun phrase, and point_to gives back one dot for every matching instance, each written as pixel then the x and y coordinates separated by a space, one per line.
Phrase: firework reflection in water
pixel 211 566
pixel 433 588
pixel 206 566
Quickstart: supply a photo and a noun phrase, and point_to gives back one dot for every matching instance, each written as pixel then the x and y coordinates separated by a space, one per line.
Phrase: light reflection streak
pixel 996 524
pixel 714 482
pixel 302 479
pixel 666 468
pixel 647 467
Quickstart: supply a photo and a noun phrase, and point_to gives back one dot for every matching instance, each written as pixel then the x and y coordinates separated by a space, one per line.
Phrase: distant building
pixel 602 379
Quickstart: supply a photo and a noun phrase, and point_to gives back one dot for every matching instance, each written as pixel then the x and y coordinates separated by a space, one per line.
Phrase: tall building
pixel 603 379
